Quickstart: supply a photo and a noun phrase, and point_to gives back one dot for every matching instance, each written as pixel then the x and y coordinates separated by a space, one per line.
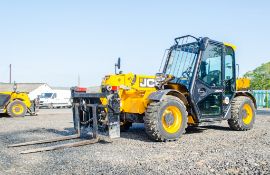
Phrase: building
pixel 33 89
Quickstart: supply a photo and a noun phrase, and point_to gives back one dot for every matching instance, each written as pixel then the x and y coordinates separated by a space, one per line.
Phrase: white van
pixel 55 99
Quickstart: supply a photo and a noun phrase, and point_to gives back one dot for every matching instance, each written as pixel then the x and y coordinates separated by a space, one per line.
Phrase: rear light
pixel 112 88
pixel 115 88
pixel 80 89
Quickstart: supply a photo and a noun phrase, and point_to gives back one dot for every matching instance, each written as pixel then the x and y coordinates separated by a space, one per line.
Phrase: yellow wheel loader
pixel 16 104
pixel 197 85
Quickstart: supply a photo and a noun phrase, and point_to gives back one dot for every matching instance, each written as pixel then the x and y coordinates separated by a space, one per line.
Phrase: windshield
pixel 3 99
pixel 46 95
pixel 181 60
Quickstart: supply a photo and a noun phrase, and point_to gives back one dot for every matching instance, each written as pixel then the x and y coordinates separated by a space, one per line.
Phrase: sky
pixel 56 42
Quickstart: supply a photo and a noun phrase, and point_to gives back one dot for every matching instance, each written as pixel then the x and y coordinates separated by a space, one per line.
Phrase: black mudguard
pixel 159 95
pixel 247 94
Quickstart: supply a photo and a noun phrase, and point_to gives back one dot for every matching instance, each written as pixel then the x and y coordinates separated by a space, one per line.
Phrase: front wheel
pixel 16 108
pixel 243 114
pixel 166 120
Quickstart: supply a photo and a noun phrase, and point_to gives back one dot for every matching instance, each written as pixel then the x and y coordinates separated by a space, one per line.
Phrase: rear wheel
pixel 16 109
pixel 243 114
pixel 166 120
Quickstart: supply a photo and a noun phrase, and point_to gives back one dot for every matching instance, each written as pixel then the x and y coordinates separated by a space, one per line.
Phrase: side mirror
pixel 118 65
pixel 15 86
pixel 238 69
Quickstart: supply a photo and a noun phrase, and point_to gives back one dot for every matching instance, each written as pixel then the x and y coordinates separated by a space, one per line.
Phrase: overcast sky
pixel 55 41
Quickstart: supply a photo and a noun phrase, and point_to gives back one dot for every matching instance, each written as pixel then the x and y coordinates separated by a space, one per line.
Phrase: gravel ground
pixel 207 150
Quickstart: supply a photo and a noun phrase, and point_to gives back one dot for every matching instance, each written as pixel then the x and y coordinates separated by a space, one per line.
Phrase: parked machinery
pixel 16 104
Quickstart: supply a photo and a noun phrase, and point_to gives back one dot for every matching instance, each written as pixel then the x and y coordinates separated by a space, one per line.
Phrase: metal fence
pixel 262 98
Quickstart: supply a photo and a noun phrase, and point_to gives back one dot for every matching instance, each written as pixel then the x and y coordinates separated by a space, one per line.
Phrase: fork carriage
pixel 90 114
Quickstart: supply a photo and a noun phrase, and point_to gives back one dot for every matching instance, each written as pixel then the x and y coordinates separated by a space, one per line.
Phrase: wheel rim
pixel 17 109
pixel 171 119
pixel 247 114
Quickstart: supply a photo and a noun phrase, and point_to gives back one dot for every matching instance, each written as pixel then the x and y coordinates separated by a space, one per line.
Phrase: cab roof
pixel 230 45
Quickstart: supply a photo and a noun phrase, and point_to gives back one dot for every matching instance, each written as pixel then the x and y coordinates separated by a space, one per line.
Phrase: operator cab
pixel 4 98
pixel 204 71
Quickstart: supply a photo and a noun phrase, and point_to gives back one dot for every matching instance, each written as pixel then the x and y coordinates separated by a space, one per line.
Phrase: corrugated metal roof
pixel 60 88
pixel 21 87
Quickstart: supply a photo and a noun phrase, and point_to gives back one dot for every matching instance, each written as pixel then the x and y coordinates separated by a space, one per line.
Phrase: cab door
pixel 208 92
pixel 229 81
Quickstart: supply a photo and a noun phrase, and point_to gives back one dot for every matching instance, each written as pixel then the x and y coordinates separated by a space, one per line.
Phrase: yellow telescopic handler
pixel 197 85
pixel 16 104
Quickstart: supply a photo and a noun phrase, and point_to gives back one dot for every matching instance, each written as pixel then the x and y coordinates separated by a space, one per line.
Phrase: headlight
pixel 160 77
pixel 109 88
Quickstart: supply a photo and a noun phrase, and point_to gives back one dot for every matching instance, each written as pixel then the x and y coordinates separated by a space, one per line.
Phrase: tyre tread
pixel 151 122
pixel 234 122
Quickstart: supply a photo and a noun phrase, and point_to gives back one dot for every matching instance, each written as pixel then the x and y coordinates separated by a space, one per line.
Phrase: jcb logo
pixel 147 82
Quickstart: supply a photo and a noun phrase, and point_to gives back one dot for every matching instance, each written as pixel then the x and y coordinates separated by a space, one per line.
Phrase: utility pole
pixel 10 73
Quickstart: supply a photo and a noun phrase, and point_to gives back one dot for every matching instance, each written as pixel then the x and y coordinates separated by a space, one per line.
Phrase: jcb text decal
pixel 147 82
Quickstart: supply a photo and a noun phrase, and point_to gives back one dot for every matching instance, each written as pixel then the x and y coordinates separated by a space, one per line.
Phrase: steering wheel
pixel 214 77
pixel 186 73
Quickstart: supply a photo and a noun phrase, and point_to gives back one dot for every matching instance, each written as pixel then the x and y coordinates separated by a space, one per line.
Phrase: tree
pixel 260 77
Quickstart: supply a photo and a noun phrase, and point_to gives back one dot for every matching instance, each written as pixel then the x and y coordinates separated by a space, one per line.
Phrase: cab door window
pixel 229 75
pixel 211 67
